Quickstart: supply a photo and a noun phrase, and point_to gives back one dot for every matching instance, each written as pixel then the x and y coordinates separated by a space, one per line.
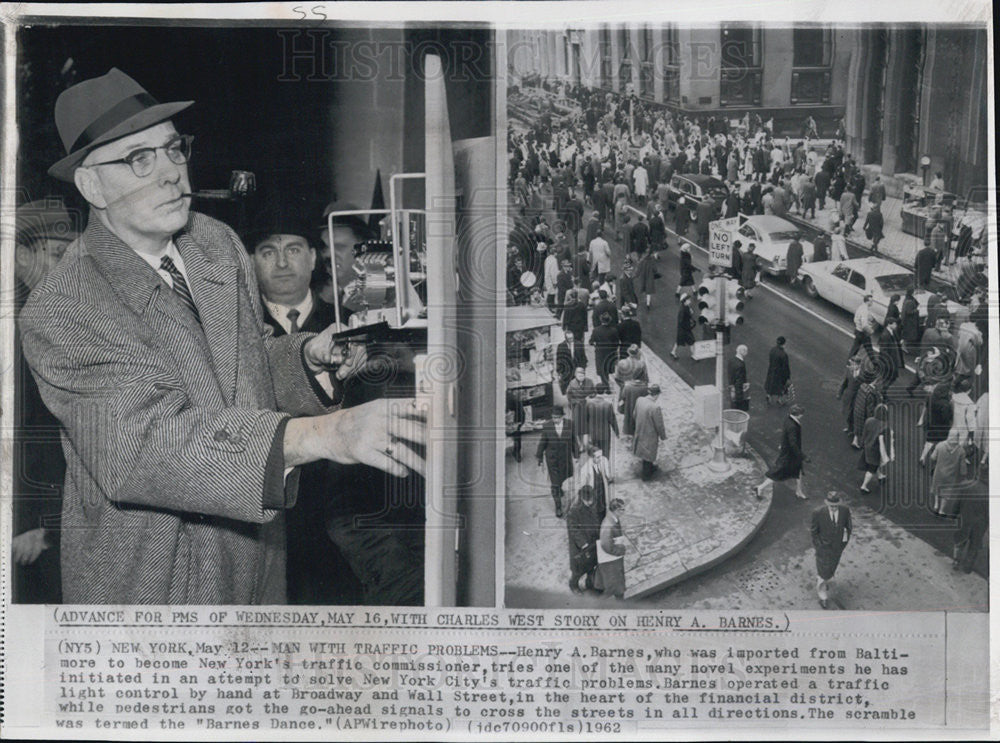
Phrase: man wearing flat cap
pixel 831 530
pixel 184 419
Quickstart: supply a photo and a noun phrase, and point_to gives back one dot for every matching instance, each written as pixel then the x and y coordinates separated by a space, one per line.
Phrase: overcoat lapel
pixel 215 289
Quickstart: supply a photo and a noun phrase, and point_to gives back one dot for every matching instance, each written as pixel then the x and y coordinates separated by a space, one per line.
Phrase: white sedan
pixel 771 235
pixel 845 284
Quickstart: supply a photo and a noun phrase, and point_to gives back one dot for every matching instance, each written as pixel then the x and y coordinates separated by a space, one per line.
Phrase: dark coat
pixel 821 248
pixel 924 265
pixel 632 391
pixel 601 422
pixel 822 181
pixel 645 275
pixel 687 270
pixel 567 359
pixel 748 270
pixel 657 232
pixel 577 393
pixel 778 372
pixel 808 195
pixel 793 259
pixel 891 349
pixel 685 326
pixel 605 341
pixel 575 319
pixel 584 528
pixel 788 465
pixel 738 378
pixel 629 332
pixel 558 450
pixel 639 236
pixel 873 225
pixel 829 539
pixel 602 306
pixel 909 320
pixel 626 291
pixel 865 403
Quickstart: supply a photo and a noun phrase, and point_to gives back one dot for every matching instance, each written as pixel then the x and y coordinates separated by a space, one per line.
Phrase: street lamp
pixel 925 164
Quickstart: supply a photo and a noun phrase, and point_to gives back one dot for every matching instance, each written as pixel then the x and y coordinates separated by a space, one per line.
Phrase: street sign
pixel 720 246
pixel 703 350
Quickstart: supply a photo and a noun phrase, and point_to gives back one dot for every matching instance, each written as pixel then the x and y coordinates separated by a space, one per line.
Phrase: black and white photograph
pixel 247 340
pixel 509 370
pixel 747 328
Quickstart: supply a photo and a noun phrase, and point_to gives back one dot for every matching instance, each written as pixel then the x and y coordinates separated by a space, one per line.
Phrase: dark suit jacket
pixel 559 451
pixel 828 537
pixel 175 490
pixel 575 319
pixel 891 348
pixel 737 378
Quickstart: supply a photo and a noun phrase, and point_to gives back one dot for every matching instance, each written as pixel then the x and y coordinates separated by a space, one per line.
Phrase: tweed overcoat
pixel 174 489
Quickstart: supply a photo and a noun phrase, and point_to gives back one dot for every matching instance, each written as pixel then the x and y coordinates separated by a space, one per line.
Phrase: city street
pixel 817 341
pixel 818 338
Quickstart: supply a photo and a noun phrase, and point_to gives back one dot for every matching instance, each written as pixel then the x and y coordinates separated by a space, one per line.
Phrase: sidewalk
pixel 689 519
pixel 683 521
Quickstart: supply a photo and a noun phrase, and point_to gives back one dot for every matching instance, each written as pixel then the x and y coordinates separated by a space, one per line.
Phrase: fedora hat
pixel 101 110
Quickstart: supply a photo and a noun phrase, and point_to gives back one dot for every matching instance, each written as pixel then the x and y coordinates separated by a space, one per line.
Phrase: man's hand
pixel 27 547
pixel 323 354
pixel 380 433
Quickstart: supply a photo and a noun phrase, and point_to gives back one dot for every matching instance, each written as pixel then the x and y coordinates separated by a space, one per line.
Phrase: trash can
pixel 734 431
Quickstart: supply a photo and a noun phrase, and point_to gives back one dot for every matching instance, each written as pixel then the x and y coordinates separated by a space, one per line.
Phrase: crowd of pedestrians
pixel 604 173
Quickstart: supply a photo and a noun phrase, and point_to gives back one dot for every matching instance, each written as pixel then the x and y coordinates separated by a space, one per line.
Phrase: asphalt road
pixel 818 338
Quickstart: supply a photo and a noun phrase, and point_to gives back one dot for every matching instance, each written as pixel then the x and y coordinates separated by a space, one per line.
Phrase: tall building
pixel 920 103
pixel 782 73
pixel 908 95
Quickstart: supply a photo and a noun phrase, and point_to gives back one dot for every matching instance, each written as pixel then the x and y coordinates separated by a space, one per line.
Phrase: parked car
pixel 771 235
pixel 845 284
pixel 695 189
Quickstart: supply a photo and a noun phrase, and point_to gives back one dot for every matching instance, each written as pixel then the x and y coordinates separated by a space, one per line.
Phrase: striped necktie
pixel 180 285
pixel 293 319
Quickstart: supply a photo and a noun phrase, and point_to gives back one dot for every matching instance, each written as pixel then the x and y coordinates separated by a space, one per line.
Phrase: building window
pixel 812 60
pixel 741 72
pixel 671 55
pixel 813 47
pixel 604 42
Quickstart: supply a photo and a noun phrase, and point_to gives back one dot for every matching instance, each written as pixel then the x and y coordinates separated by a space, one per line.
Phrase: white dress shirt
pixel 280 312
pixel 153 259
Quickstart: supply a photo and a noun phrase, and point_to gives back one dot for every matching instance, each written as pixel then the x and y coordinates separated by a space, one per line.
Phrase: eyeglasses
pixel 143 160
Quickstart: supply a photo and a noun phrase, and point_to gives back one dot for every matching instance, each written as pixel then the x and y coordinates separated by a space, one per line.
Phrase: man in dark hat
pixel 830 529
pixel 184 416
pixel 558 447
pixel 44 229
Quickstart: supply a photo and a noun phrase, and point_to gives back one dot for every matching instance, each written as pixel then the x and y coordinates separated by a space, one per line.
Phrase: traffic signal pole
pixel 719 462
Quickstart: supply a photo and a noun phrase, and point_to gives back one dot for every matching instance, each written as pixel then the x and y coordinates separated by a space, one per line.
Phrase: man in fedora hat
pixel 831 530
pixel 184 418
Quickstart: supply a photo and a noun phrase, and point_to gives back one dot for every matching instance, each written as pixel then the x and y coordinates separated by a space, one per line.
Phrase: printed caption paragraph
pixel 449 671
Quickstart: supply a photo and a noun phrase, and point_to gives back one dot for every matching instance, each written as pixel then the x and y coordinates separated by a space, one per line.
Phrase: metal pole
pixel 719 463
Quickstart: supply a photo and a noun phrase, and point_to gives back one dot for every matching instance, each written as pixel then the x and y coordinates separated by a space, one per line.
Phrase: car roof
pixel 702 180
pixel 875 266
pixel 770 223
